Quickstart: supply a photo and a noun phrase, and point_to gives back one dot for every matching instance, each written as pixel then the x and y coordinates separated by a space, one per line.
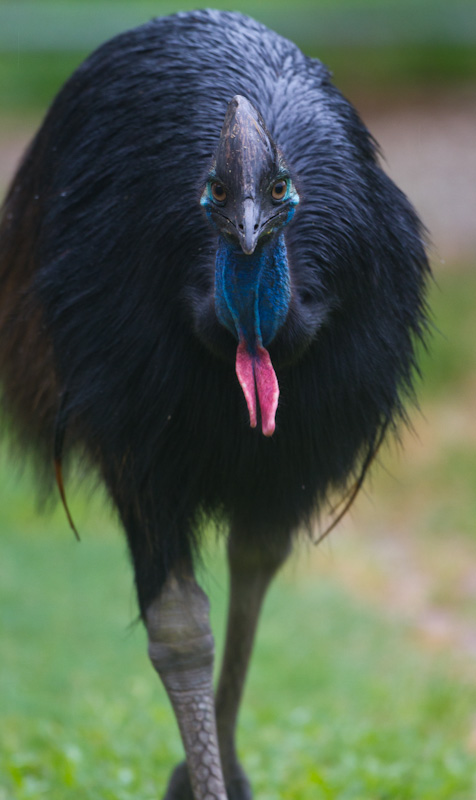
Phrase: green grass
pixel 435 488
pixel 451 357
pixel 341 703
pixel 343 700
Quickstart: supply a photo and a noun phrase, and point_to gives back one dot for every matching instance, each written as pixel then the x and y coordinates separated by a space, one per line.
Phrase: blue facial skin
pixel 252 292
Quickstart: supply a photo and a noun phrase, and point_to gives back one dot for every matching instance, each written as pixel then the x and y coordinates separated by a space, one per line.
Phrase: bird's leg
pixel 253 562
pixel 181 649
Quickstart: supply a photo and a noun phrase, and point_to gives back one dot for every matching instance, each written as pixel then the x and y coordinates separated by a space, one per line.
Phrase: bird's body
pixel 132 307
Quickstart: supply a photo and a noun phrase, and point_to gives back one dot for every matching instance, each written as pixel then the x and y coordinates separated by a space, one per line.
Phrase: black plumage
pixel 108 332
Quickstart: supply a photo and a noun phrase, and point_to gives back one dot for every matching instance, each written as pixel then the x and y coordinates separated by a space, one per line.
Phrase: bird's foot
pixel 237 784
pixel 179 787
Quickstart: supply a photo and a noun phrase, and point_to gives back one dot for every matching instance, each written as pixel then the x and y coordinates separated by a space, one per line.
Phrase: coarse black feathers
pixel 107 269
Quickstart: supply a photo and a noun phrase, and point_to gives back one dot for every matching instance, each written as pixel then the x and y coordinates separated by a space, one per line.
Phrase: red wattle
pixel 257 376
pixel 245 374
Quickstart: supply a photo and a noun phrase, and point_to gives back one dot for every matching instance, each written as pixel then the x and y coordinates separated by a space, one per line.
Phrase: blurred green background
pixel 363 682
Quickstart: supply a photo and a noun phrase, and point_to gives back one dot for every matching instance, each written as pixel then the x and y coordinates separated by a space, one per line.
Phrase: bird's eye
pixel 279 190
pixel 218 192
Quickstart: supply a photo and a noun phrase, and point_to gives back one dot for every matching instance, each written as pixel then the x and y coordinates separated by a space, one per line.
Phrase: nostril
pixel 256 226
pixel 240 226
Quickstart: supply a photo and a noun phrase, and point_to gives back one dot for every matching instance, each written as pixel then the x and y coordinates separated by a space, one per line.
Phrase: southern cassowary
pixel 210 288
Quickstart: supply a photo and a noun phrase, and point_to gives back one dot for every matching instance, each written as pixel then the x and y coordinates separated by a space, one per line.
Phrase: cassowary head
pixel 249 197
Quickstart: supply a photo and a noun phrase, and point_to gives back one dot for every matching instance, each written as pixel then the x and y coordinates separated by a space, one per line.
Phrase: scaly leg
pixel 181 649
pixel 253 562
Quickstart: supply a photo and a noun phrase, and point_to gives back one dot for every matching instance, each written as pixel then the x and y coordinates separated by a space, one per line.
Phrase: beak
pixel 248 225
pixel 246 154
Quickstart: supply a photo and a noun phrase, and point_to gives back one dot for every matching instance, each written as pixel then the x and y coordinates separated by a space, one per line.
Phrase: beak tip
pixel 248 243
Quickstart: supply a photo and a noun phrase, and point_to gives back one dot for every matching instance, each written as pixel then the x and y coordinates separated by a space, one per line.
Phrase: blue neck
pixel 252 292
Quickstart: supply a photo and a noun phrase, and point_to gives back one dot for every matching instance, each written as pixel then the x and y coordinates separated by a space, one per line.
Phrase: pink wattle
pixel 257 376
